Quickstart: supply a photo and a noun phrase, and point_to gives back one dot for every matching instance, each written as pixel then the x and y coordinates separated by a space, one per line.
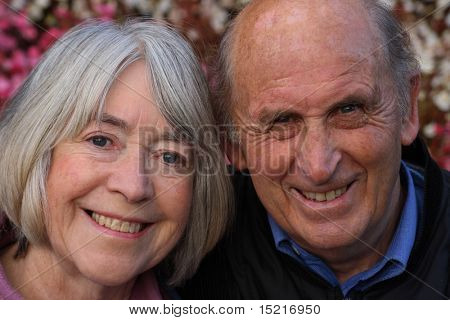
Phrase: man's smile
pixel 333 197
pixel 324 196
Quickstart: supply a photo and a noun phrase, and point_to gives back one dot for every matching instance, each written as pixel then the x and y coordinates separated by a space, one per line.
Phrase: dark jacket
pixel 246 264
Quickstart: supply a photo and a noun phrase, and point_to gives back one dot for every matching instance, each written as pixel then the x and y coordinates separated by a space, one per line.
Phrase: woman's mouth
pixel 116 224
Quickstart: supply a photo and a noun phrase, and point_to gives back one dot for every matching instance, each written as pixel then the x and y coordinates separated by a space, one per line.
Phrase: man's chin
pixel 329 242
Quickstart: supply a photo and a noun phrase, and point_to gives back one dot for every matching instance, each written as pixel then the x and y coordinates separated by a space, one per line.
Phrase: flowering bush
pixel 428 23
pixel 28 28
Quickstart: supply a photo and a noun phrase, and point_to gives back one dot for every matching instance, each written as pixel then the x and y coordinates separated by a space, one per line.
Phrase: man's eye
pixel 100 141
pixel 283 119
pixel 348 108
pixel 284 126
pixel 349 116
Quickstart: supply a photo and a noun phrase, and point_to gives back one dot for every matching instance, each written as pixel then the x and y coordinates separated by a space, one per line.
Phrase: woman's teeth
pixel 117 225
pixel 325 196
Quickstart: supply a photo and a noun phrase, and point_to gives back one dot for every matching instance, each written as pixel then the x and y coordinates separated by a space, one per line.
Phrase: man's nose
pixel 128 180
pixel 317 155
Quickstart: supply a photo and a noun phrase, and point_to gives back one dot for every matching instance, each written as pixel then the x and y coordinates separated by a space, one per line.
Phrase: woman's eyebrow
pixel 114 121
pixel 148 135
pixel 170 136
pixel 153 135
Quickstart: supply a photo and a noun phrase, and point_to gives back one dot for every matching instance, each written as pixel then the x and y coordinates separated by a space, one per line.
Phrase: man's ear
pixel 410 124
pixel 235 155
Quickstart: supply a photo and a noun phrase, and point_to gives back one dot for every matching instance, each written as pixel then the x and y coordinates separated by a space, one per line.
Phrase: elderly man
pixel 324 96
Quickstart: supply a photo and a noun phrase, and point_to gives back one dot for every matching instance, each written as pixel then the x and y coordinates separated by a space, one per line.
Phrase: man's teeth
pixel 326 196
pixel 117 225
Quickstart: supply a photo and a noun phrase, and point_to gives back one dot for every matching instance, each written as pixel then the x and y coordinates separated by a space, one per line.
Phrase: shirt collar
pixel 403 240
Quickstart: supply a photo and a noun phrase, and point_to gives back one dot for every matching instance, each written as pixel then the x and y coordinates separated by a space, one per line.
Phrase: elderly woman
pixel 113 185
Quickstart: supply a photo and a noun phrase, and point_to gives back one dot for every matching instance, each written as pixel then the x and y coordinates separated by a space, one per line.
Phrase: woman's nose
pixel 128 179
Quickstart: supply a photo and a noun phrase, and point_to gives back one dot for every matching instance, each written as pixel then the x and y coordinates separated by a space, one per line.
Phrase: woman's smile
pixel 120 226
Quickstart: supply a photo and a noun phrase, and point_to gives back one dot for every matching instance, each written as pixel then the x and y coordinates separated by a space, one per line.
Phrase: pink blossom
pixel 5 88
pixel 33 52
pixel 33 55
pixel 19 20
pixel 16 81
pixel 62 13
pixel 4 23
pixel 29 33
pixel 439 129
pixel 45 41
pixel 7 42
pixel 2 10
pixel 105 10
pixel 55 32
pixel 19 61
pixel 49 37
pixel 7 65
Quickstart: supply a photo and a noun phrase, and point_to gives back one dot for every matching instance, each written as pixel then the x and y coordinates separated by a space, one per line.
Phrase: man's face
pixel 321 131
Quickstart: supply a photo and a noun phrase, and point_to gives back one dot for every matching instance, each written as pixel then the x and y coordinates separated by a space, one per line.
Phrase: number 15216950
pixel 290 309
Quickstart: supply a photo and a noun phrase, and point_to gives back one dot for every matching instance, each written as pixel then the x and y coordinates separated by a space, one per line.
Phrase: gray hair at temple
pixel 398 57
pixel 67 90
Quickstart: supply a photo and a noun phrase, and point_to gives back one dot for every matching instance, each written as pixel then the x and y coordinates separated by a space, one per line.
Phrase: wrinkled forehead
pixel 272 40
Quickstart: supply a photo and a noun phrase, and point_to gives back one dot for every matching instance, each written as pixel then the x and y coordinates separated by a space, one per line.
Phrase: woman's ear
pixel 410 123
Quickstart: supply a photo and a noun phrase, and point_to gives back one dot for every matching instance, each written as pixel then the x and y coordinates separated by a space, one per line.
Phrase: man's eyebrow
pixel 350 99
pixel 266 116
pixel 370 99
pixel 114 121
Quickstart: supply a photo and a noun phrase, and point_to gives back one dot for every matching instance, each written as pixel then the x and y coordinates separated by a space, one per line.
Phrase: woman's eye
pixel 100 141
pixel 171 158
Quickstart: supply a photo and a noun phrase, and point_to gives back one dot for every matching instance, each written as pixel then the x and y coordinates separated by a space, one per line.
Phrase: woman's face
pixel 120 193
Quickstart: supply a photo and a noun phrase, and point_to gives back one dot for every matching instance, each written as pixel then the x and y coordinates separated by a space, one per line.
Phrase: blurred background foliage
pixel 28 28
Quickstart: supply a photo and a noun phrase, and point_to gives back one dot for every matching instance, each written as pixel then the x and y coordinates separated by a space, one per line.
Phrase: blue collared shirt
pixel 392 264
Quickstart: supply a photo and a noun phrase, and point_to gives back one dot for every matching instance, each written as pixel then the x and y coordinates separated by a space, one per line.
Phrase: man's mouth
pixel 323 196
pixel 116 224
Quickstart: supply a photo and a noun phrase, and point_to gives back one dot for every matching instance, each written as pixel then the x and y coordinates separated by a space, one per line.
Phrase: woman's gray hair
pixel 397 58
pixel 67 90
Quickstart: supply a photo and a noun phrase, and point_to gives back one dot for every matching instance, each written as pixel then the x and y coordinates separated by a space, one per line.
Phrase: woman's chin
pixel 110 279
pixel 109 274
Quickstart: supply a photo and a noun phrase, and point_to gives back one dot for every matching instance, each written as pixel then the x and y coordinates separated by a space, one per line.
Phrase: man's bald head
pixel 270 33
pixel 262 32
pixel 265 27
